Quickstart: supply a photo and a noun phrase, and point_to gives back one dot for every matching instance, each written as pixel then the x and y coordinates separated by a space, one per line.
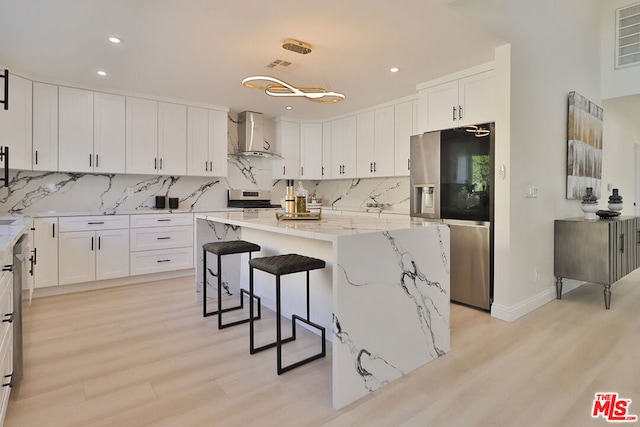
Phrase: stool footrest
pixel 237 307
pixel 283 369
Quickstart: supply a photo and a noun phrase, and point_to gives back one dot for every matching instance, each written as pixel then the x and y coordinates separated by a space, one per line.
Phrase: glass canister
pixel 301 198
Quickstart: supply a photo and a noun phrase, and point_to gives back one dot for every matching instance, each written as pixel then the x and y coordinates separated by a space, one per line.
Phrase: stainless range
pixel 250 200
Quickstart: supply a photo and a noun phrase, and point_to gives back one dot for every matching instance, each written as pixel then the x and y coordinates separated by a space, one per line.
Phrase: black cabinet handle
pixel 96 223
pixel 6 89
pixel 408 164
pixel 8 267
pixel 164 238
pixel 622 243
pixel 165 219
pixel 53 230
pixel 90 157
pixel 92 243
pixel 454 114
pixel 460 112
pixel 164 260
pixel 10 383
pixel 36 157
pixel 155 163
pixel 10 318
pixel 99 240
pixel 35 256
pixel 374 167
pixel 322 171
pixel 160 163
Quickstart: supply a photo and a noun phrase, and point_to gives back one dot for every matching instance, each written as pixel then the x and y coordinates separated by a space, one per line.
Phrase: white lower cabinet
pixel 95 252
pixel 45 247
pixel 6 334
pixel 162 242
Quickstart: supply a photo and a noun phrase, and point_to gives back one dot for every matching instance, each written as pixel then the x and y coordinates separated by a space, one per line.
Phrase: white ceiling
pixel 200 50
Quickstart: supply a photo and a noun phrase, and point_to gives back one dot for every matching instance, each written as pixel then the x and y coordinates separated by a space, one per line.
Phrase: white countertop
pixel 10 233
pixel 329 228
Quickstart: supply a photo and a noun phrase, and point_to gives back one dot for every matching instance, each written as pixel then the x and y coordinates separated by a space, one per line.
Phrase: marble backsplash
pixel 36 192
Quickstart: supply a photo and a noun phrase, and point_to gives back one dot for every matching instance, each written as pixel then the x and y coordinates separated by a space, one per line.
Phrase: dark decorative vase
pixel 615 201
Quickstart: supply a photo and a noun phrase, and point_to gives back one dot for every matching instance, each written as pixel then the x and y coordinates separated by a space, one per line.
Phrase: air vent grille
pixel 278 63
pixel 628 36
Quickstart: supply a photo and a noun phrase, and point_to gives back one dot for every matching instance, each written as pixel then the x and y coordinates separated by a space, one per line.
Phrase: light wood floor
pixel 144 355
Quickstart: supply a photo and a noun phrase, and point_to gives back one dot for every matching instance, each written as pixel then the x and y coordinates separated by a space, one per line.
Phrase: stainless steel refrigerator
pixel 452 182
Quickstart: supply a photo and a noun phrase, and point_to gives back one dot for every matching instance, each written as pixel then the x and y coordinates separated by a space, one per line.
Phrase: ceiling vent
pixel 296 46
pixel 279 63
pixel 628 36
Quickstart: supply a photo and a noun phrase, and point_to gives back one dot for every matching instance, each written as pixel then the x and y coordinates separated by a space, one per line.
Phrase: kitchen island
pixel 383 296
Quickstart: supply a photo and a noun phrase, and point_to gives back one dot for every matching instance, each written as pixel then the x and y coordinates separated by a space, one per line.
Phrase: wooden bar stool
pixel 220 249
pixel 280 265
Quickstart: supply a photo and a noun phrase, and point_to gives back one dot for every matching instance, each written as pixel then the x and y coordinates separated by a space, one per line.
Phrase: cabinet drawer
pixel 161 220
pixel 91 223
pixel 161 260
pixel 144 239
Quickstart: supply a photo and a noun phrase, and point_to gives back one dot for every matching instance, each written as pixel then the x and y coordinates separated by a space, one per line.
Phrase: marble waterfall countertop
pixel 383 296
pixel 331 226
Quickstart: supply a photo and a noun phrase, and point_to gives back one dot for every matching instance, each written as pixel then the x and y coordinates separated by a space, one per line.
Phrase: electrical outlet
pixel 129 191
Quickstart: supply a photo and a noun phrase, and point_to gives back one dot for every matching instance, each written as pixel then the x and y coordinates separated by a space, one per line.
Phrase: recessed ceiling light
pixel 102 73
pixel 288 107
pixel 115 40
pixel 394 69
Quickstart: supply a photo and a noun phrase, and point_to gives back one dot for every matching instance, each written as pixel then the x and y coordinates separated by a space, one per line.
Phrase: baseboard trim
pixel 510 314
pixel 111 283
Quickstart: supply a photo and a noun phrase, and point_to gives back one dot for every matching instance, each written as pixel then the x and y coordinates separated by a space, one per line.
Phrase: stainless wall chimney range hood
pixel 251 142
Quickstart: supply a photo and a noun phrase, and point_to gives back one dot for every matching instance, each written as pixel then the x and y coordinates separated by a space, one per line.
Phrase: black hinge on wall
pixel 5 101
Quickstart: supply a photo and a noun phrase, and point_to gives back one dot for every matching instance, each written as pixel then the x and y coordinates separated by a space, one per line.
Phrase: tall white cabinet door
pixel 405 116
pixel 77 259
pixel 365 144
pixel 383 159
pixel 326 150
pixel 311 151
pixel 45 243
pixel 288 146
pixel 75 130
pixel 197 141
pixel 477 98
pixel 142 136
pixel 109 133
pixel 112 254
pixel 45 127
pixel 15 123
pixel 337 148
pixel 172 139
pixel 440 104
pixel 349 149
pixel 218 142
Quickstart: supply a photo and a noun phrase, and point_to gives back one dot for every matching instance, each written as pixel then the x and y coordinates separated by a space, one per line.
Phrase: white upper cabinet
pixel 311 151
pixel 461 102
pixel 15 123
pixel 206 142
pixel 383 163
pixel 287 146
pixel 326 150
pixel 375 138
pixel 45 127
pixel 343 147
pixel 109 133
pixel 75 130
pixel 365 144
pixel 142 136
pixel 91 131
pixel 406 116
pixel 172 139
